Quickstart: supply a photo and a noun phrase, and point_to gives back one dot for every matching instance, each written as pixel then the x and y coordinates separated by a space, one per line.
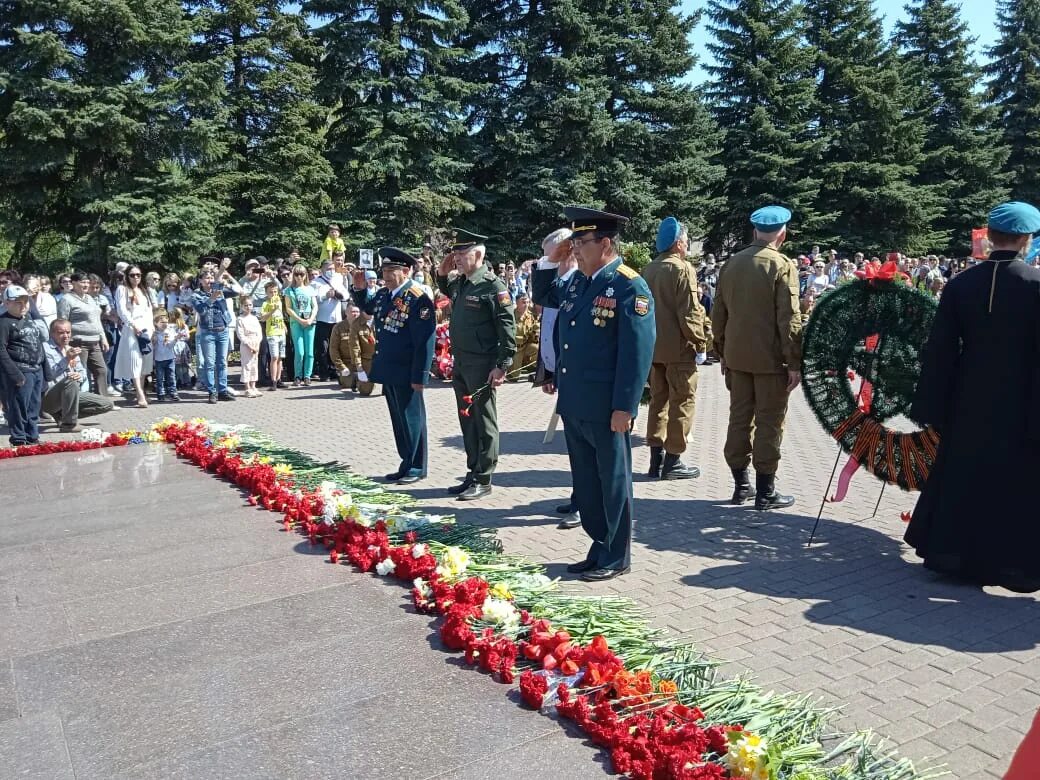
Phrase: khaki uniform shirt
pixel 756 317
pixel 526 331
pixel 362 342
pixel 681 320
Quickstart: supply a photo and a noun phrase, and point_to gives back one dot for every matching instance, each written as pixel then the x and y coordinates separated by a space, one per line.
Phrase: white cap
pixel 14 292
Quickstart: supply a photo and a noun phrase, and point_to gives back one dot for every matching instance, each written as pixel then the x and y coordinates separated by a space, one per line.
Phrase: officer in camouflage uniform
pixel 483 342
pixel 758 335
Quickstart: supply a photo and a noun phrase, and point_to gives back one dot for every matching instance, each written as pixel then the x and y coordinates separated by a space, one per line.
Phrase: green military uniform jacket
pixel 677 309
pixel 482 318
pixel 756 318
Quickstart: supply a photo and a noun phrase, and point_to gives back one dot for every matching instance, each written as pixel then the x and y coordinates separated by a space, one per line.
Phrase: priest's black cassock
pixel 978 516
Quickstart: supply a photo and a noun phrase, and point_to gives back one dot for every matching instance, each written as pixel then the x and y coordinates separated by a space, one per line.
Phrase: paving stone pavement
pixel 946 671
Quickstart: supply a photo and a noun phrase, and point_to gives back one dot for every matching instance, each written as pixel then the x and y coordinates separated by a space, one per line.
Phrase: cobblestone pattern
pixel 947 671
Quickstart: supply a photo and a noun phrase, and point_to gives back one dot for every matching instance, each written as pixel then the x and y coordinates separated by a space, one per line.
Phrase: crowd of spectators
pixel 147 336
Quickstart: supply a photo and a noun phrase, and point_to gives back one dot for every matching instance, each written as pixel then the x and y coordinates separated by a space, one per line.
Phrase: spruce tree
pixel 871 144
pixel 963 155
pixel 656 160
pixel 585 103
pixel 535 127
pixel 760 93
pixel 93 112
pixel 391 75
pixel 1014 88
pixel 272 174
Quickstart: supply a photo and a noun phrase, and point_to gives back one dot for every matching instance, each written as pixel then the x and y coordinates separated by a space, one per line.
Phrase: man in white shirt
pixel 62 397
pixel 556 247
pixel 330 292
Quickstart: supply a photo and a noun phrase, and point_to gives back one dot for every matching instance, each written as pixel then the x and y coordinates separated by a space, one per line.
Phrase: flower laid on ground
pixel 656 707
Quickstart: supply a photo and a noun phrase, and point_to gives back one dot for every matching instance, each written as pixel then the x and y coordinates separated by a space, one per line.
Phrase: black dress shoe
pixel 225 397
pixel 598 575
pixel 583 566
pixel 475 491
pixel 573 520
pixel 408 479
pixel 564 509
pixel 462 487
pixel 394 477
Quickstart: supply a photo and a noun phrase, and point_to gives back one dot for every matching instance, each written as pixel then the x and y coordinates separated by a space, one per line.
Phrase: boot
pixel 656 456
pixel 767 497
pixel 742 490
pixel 674 468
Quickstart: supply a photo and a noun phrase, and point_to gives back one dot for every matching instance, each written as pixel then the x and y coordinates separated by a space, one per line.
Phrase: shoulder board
pixel 627 272
pixel 415 291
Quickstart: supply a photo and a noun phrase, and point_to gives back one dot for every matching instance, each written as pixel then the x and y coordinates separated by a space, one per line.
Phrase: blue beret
pixel 370 274
pixel 668 233
pixel 1016 218
pixel 769 219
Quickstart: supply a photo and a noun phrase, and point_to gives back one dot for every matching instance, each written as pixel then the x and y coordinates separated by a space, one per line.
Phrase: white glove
pixel 701 357
pixel 362 376
pixel 345 371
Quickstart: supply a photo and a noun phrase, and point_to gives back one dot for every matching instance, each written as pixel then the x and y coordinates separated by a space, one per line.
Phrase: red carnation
pixel 533 688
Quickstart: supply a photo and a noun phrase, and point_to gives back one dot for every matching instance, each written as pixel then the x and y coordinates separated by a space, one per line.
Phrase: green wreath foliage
pixel 835 342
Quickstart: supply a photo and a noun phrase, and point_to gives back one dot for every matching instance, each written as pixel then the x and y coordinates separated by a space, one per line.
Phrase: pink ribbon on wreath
pixel 866 399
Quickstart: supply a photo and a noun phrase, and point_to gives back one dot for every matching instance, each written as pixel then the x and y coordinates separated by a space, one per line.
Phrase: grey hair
pixel 554 239
pixel 481 251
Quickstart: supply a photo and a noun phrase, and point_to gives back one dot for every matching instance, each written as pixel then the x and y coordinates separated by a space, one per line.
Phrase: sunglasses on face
pixel 134 276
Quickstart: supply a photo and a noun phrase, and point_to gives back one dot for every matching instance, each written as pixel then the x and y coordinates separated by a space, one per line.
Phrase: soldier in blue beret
pixel 980 388
pixel 405 321
pixel 606 337
pixel 757 327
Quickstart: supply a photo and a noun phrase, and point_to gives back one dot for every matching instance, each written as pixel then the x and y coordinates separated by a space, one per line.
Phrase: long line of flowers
pixel 658 707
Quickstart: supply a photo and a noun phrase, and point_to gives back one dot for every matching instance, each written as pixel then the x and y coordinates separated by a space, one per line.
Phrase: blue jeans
pixel 165 379
pixel 214 350
pixel 22 406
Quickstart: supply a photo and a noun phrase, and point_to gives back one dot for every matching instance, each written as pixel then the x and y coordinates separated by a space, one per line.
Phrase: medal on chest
pixel 603 310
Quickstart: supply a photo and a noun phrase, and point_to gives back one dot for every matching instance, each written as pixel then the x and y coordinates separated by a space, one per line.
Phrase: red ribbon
pixel 886 273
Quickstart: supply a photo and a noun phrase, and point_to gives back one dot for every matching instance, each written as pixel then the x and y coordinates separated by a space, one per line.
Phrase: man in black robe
pixel 978 516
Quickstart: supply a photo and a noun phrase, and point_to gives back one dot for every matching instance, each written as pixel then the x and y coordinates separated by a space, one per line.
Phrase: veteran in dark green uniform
pixel 483 342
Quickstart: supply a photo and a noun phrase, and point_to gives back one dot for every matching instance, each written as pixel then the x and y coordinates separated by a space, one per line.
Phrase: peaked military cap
pixel 392 256
pixel 463 240
pixel 770 219
pixel 1016 218
pixel 585 220
pixel 668 233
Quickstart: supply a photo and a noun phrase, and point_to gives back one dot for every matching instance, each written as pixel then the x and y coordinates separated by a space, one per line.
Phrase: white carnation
pixel 386 567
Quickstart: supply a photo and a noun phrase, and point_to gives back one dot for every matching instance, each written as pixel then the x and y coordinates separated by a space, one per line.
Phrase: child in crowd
pixel 250 333
pixel 163 342
pixel 182 349
pixel 272 313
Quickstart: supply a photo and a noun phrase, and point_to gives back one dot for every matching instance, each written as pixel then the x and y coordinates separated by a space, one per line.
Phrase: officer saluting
pixel 606 342
pixel 483 342
pixel 404 321
pixel 758 334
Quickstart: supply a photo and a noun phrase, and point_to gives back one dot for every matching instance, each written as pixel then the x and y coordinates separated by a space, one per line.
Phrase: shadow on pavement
pixel 856 574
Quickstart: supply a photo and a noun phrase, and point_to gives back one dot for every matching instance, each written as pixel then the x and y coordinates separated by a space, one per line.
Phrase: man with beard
pixel 980 389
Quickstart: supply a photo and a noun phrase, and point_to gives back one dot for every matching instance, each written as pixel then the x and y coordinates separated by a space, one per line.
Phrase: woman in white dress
pixel 135 317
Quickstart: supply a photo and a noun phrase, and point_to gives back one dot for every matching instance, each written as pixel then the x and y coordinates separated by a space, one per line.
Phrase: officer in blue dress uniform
pixel 405 321
pixel 606 343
